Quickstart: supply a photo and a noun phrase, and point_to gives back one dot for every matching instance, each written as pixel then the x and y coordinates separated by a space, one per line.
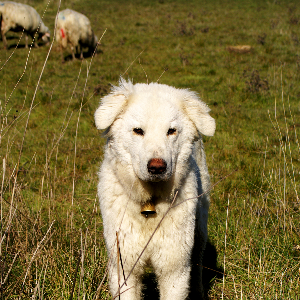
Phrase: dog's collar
pixel 148 208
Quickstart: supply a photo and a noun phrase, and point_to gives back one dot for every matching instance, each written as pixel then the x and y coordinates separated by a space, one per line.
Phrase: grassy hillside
pixel 50 151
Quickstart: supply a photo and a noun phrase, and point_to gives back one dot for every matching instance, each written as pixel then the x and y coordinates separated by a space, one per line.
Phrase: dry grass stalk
pixel 75 275
pixel 38 248
pixel 225 243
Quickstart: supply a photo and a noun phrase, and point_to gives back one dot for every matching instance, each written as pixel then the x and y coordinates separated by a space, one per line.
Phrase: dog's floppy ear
pixel 198 112
pixel 113 104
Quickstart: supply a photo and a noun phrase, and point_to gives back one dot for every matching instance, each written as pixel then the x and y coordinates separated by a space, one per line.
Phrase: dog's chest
pixel 166 221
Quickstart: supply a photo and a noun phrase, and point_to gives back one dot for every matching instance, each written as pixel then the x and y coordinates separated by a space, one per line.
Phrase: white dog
pixel 154 158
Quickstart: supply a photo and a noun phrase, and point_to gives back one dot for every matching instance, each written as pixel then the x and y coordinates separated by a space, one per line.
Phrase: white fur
pixel 77 31
pixel 16 16
pixel 126 184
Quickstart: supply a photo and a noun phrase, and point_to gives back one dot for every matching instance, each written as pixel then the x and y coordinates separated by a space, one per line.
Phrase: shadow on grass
pixel 86 54
pixel 150 290
pixel 210 273
pixel 22 46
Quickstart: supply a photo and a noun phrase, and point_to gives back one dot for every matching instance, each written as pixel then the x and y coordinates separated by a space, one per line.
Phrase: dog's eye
pixel 171 131
pixel 138 131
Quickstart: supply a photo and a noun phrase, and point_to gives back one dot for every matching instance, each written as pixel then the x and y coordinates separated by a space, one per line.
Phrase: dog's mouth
pixel 157 178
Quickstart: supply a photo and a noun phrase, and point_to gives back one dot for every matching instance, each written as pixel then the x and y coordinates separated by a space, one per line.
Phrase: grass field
pixel 51 231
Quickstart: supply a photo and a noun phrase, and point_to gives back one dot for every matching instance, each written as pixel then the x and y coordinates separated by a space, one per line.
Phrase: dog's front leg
pixel 129 291
pixel 174 285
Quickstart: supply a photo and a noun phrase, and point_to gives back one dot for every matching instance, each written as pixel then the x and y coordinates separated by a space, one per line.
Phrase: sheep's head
pixel 45 37
pixel 95 41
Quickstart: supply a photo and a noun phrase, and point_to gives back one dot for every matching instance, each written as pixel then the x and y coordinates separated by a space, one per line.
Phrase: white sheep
pixel 16 17
pixel 75 29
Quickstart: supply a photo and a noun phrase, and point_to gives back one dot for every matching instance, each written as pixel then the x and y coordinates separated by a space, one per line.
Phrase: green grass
pixel 254 98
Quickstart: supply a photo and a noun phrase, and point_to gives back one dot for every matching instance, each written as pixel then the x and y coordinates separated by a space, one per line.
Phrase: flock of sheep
pixel 71 28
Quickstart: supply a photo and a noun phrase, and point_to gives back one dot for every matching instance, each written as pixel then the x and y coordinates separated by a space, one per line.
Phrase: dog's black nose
pixel 156 166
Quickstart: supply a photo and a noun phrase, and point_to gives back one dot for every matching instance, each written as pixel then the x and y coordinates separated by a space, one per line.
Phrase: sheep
pixel 75 29
pixel 16 17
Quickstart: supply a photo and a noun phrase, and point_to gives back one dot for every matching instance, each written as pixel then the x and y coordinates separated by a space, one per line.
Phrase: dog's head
pixel 152 127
